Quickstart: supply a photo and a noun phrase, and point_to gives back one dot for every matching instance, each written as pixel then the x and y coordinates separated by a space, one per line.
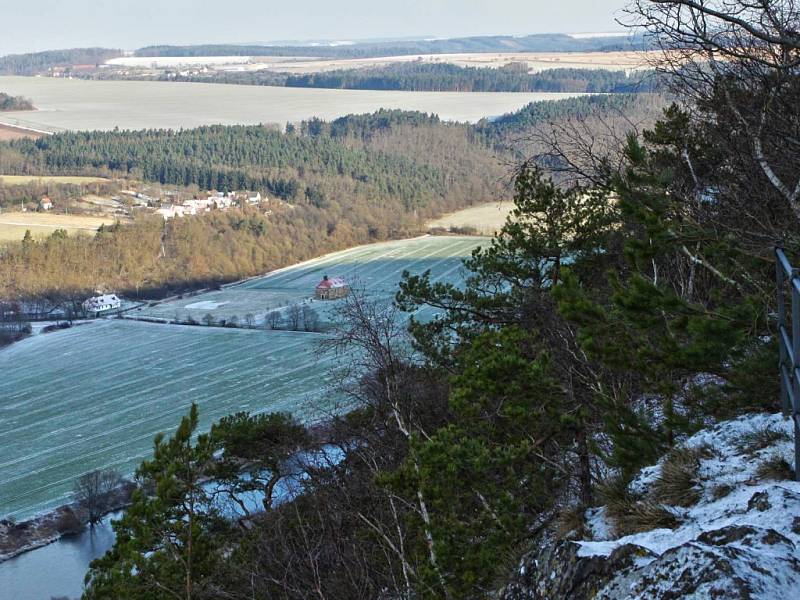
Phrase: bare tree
pixel 295 316
pixel 250 319
pixel 310 319
pixel 208 319
pixel 371 338
pixel 274 319
pixel 737 60
pixel 93 492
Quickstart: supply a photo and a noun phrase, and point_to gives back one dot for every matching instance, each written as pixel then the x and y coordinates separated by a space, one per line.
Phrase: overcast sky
pixel 32 25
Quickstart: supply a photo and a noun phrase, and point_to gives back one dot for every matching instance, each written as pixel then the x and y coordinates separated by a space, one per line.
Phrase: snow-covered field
pixel 94 396
pixel 376 267
pixel 75 104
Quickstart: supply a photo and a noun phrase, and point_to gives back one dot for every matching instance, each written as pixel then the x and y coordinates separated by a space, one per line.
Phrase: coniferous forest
pixel 418 77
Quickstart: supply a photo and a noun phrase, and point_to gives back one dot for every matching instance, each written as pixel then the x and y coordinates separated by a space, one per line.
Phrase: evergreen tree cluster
pixel 443 77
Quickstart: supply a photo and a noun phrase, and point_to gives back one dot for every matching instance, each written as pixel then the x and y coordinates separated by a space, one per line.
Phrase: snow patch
pixel 205 305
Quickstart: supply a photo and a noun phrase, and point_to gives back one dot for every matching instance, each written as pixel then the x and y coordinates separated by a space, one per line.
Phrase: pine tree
pixel 163 548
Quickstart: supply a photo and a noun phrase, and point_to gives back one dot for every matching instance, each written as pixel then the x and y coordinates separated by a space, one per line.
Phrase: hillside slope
pixel 739 539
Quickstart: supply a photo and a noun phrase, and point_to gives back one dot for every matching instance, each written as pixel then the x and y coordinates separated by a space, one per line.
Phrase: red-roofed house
pixel 331 288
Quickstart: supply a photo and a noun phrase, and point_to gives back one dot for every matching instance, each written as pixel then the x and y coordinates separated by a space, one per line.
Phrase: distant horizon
pixel 40 25
pixel 311 42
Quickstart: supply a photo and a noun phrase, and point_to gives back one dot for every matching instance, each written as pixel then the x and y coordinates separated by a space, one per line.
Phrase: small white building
pixel 170 212
pixel 45 203
pixel 254 199
pixel 103 303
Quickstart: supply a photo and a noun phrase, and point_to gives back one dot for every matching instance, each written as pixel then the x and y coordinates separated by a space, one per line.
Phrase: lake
pixel 75 104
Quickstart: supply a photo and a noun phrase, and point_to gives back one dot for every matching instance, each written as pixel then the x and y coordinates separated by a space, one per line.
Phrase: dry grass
pixel 8 134
pixel 677 483
pixel 630 513
pixel 25 179
pixel 571 523
pixel 774 468
pixel 14 225
pixel 486 219
pixel 758 439
pixel 721 490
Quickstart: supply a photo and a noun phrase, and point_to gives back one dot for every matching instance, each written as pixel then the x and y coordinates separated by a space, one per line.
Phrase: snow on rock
pixel 740 540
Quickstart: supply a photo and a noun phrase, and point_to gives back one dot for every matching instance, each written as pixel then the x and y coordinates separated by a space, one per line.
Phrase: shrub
pixel 68 523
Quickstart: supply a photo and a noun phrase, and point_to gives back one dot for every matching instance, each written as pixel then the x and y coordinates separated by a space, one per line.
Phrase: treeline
pixel 453 78
pixel 8 103
pixel 444 78
pixel 150 258
pixel 529 43
pixel 38 62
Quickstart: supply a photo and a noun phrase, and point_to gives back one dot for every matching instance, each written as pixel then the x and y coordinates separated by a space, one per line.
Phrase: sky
pixel 33 25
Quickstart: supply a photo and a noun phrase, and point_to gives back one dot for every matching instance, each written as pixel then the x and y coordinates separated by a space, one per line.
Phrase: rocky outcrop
pixel 740 544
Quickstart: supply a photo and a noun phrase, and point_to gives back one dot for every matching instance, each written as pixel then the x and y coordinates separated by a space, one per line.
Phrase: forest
pixel 8 103
pixel 619 311
pixel 332 185
pixel 40 62
pixel 356 179
pixel 417 77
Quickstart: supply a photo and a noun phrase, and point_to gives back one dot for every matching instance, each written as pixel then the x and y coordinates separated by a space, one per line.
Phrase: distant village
pixel 169 204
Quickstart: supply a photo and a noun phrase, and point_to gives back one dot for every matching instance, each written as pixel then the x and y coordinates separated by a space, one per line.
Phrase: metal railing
pixel 789 343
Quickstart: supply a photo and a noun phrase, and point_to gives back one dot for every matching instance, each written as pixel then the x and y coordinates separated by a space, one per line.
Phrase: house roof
pixel 331 282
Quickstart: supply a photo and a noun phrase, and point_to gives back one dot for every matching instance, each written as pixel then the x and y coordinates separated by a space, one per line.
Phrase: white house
pixel 46 203
pixel 102 303
pixel 254 199
pixel 171 211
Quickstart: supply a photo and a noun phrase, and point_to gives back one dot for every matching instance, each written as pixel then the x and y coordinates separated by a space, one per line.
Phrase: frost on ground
pixel 740 539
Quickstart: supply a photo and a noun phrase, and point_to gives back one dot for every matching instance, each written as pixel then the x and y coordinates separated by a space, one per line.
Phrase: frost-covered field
pixel 377 268
pixel 75 104
pixel 95 395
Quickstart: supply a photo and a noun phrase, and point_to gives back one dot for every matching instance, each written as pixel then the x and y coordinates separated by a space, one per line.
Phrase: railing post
pixel 783 357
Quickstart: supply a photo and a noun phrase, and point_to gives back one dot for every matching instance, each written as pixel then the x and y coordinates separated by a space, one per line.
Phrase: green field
pixel 95 395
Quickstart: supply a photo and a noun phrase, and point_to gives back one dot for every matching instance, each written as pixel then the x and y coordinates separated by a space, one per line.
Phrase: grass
pixel 632 513
pixel 486 219
pixel 677 482
pixel 571 523
pixel 62 179
pixel 775 468
pixel 14 225
pixel 760 438
pixel 106 388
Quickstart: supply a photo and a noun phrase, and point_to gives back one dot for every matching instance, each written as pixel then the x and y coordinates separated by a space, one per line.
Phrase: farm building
pixel 102 303
pixel 331 288
pixel 45 203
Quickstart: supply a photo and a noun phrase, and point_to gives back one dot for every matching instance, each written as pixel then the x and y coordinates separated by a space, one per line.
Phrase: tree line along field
pixel 95 395
pixel 377 268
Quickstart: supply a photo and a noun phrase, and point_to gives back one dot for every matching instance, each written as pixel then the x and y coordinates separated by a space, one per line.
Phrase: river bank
pixel 65 521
